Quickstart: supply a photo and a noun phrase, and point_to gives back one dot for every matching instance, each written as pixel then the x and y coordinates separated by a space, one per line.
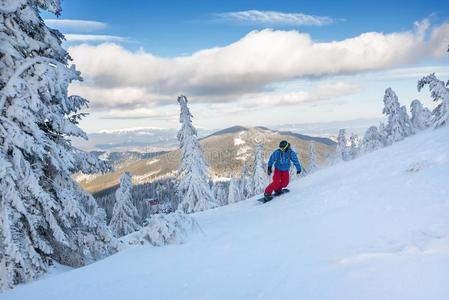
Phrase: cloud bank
pixel 117 77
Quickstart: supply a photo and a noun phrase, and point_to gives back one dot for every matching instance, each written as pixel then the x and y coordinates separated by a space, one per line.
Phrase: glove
pixel 298 172
pixel 269 171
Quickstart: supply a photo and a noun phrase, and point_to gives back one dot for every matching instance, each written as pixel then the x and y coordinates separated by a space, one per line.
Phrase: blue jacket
pixel 281 160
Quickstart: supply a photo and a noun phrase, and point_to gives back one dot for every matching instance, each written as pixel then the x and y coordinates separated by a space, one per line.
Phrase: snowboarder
pixel 281 159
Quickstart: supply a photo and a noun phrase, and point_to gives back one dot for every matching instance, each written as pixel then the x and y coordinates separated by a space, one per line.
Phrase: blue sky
pixel 287 82
pixel 169 28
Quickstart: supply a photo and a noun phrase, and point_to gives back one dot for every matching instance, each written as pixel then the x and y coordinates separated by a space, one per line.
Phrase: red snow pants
pixel 280 181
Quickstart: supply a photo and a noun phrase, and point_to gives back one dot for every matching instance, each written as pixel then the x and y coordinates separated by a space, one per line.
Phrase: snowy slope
pixel 373 228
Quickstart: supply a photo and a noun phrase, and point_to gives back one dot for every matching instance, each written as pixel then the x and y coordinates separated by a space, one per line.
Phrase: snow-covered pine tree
pixel 313 163
pixel 124 215
pixel 381 129
pixel 44 214
pixel 342 151
pixel 6 271
pixel 260 178
pixel 329 159
pixel 220 193
pixel 235 194
pixel 372 140
pixel 193 187
pixel 354 146
pixel 383 134
pixel 421 116
pixel 164 229
pixel 245 182
pixel 408 125
pixel 398 126
pixel 440 93
pixel 338 154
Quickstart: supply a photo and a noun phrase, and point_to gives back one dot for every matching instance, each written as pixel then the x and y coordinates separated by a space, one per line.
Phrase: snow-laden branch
pixel 24 66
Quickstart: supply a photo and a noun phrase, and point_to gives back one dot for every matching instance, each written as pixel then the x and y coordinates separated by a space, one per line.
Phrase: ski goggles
pixel 285 147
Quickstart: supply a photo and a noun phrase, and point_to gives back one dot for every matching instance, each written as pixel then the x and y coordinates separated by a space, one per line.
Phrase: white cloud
pixel 84 25
pixel 93 38
pixel 118 97
pixel 248 66
pixel 318 93
pixel 408 73
pixel 137 114
pixel 274 18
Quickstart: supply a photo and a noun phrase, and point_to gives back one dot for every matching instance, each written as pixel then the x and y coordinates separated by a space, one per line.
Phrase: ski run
pixel 375 227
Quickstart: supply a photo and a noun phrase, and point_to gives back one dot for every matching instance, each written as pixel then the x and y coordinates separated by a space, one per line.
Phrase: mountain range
pixel 225 151
pixel 140 139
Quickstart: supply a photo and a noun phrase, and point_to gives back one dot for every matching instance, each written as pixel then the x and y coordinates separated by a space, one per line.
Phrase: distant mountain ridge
pixel 224 150
pixel 239 128
pixel 232 129
pixel 331 128
pixel 322 140
pixel 140 139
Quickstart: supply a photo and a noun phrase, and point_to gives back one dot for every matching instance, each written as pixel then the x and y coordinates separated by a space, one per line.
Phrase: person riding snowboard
pixel 281 159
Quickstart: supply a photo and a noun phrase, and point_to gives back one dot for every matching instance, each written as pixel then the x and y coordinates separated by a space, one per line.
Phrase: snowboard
pixel 263 200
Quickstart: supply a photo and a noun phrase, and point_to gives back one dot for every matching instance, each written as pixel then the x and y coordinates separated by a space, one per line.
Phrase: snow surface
pixel 144 178
pixel 242 151
pixel 376 227
pixel 239 141
pixel 153 161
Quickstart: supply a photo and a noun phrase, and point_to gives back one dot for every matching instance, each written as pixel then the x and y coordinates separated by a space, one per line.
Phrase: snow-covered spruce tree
pixel 398 126
pixel 164 229
pixel 125 215
pixel 354 146
pixel 260 178
pixel 342 150
pixel 440 93
pixel 407 121
pixel 329 159
pixel 381 129
pixel 6 271
pixel 383 134
pixel 313 163
pixel 235 194
pixel 45 216
pixel 421 116
pixel 220 193
pixel 338 155
pixel 193 187
pixel 292 172
pixel 372 140
pixel 245 182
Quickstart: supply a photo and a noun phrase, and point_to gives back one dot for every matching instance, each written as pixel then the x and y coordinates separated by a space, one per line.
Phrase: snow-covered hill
pixel 373 228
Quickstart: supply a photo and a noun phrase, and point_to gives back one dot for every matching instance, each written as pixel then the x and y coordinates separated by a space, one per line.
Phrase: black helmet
pixel 284 145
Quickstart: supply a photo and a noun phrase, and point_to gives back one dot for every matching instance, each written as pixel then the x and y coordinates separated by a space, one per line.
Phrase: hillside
pixel 373 228
pixel 225 152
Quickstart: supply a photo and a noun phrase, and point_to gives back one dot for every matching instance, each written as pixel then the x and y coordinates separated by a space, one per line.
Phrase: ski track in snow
pixel 373 228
